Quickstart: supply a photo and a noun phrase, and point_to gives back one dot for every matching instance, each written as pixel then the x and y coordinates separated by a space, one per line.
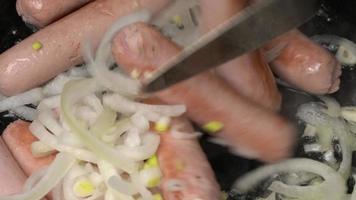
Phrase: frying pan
pixel 336 18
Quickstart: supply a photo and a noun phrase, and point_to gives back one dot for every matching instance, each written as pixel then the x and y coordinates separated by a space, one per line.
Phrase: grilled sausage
pixel 252 130
pixel 41 13
pixel 19 138
pixel 304 64
pixel 22 67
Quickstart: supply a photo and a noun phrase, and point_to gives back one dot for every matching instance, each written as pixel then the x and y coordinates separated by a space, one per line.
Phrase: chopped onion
pixel 99 68
pixel 31 96
pixel 56 171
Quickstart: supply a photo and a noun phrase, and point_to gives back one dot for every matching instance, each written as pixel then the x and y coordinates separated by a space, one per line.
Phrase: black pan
pixel 337 17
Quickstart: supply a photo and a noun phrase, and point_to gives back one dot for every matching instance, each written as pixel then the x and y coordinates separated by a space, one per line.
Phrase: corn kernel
pixel 83 188
pixel 37 45
pixel 157 196
pixel 151 162
pixel 154 182
pixel 177 20
pixel 224 195
pixel 162 125
pixel 213 126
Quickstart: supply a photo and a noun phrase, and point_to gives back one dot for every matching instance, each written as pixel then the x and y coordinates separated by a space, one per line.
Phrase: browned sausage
pixel 19 138
pixel 185 161
pixel 252 130
pixel 304 64
pixel 41 13
pixel 22 67
pixel 12 176
pixel 249 75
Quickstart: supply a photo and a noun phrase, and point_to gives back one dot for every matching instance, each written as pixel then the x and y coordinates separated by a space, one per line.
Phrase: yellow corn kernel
pixel 157 196
pixel 154 182
pixel 84 188
pixel 224 195
pixel 162 125
pixel 37 45
pixel 177 20
pixel 151 162
pixel 213 126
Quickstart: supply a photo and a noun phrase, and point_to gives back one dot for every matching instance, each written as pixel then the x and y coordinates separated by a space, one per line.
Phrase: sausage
pixel 41 13
pixel 22 67
pixel 184 160
pixel 12 176
pixel 304 64
pixel 249 74
pixel 19 138
pixel 252 130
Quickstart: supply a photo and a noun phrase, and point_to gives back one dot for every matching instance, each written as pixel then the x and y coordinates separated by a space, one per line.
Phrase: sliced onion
pixel 143 152
pixel 31 96
pixel 104 123
pixel 25 112
pixel 69 181
pixel 55 86
pixel 132 138
pixel 114 181
pixel 94 103
pixel 47 138
pixel 146 175
pixel 56 171
pixel 47 118
pixel 333 107
pixel 70 97
pixel 140 121
pixel 100 66
pixel 346 53
pixel 144 192
pixel 49 103
pixel 123 105
pixel 333 181
pixel 39 149
pixel 57 192
pixel 312 148
pixel 34 178
pixel 121 127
